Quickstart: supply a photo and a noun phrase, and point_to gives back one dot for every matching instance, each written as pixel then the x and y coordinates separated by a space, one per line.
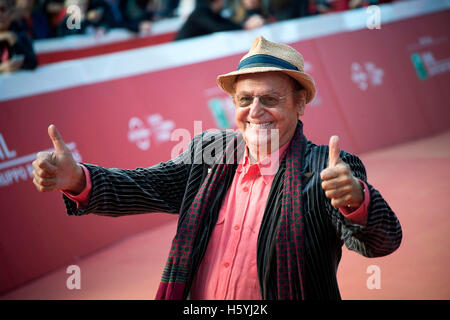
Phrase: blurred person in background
pixel 287 9
pixel 54 10
pixel 354 4
pixel 206 19
pixel 16 48
pixel 251 12
pixel 322 6
pixel 29 17
pixel 92 16
pixel 115 11
pixel 163 8
pixel 327 6
pixel 100 14
pixel 138 14
pixel 168 8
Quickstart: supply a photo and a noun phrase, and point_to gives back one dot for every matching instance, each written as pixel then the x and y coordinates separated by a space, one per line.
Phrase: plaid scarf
pixel 289 249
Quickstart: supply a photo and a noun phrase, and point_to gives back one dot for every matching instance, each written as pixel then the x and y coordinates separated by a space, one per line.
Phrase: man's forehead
pixel 275 80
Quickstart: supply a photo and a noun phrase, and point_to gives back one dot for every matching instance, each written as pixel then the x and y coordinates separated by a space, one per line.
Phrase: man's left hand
pixel 338 182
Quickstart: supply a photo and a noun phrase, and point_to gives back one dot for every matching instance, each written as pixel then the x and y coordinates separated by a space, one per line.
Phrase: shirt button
pixel 226 264
pixel 245 189
pixel 236 227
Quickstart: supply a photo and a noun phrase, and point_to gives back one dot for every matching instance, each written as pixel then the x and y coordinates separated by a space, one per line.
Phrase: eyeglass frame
pixel 280 98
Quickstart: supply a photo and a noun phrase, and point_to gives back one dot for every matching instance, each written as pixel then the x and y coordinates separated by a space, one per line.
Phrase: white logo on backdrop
pixel 435 67
pixel 154 128
pixel 366 74
pixel 427 41
pixel 15 169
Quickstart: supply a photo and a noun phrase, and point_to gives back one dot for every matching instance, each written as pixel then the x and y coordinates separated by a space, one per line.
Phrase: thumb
pixel 334 149
pixel 58 142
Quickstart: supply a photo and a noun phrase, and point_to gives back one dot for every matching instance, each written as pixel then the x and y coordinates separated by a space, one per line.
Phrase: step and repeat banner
pixel 376 88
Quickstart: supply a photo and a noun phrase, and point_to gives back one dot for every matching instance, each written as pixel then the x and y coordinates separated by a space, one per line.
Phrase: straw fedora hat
pixel 266 56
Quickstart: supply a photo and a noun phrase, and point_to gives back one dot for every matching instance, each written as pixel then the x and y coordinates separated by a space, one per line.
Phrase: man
pixel 267 217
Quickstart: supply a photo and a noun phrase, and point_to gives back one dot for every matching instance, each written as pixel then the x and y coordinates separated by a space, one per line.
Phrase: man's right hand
pixel 58 170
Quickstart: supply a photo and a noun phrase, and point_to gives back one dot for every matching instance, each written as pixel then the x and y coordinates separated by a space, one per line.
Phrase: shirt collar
pixel 267 167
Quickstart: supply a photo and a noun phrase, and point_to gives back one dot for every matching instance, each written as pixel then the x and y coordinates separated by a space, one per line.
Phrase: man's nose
pixel 256 108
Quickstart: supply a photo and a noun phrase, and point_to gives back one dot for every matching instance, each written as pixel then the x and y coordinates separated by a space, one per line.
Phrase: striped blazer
pixel 171 187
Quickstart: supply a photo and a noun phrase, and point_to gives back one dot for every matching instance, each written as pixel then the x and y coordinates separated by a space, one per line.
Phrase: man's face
pixel 281 110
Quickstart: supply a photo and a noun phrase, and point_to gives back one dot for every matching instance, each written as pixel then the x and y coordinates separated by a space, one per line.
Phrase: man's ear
pixel 301 102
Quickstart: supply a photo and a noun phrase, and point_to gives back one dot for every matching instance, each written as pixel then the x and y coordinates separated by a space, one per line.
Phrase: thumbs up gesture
pixel 57 170
pixel 338 182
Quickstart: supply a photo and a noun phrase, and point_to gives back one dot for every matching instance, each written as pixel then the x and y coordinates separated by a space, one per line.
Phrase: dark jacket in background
pixel 133 13
pixel 35 26
pixel 23 46
pixel 203 21
pixel 287 9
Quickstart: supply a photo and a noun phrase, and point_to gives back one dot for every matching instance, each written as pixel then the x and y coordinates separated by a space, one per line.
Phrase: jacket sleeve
pixel 24 46
pixel 118 192
pixel 382 233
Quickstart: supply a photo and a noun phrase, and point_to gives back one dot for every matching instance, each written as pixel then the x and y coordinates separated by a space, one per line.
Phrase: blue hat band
pixel 265 60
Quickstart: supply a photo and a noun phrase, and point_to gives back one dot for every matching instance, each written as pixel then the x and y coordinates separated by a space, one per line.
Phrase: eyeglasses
pixel 268 100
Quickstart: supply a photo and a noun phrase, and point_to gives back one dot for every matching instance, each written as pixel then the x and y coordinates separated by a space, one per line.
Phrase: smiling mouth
pixel 259 125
